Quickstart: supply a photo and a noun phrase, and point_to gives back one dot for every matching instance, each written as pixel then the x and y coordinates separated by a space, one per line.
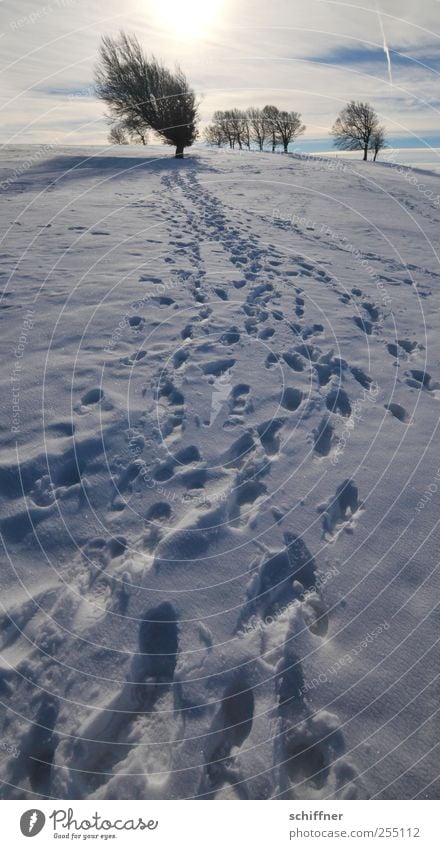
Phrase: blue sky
pixel 310 56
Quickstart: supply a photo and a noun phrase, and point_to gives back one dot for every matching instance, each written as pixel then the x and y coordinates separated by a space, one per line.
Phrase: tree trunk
pixel 375 155
pixel 286 147
pixel 366 153
pixel 179 151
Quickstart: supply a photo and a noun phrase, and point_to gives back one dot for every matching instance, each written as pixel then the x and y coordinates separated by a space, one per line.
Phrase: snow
pixel 218 476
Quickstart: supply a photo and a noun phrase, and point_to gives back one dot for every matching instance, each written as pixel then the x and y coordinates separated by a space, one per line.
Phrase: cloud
pixel 310 56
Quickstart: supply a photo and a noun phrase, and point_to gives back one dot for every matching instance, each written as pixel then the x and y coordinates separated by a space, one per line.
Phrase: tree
pixel 224 128
pixel 129 130
pixel 138 88
pixel 270 114
pixel 117 135
pixel 238 127
pixel 136 129
pixel 378 142
pixel 232 126
pixel 258 127
pixel 288 127
pixel 355 127
pixel 214 135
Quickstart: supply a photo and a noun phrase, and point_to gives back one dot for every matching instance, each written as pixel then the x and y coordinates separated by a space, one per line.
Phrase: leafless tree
pixel 224 128
pixel 233 127
pixel 214 135
pixel 355 127
pixel 288 127
pixel 136 87
pixel 238 127
pixel 271 116
pixel 117 135
pixel 258 127
pixel 136 129
pixel 378 142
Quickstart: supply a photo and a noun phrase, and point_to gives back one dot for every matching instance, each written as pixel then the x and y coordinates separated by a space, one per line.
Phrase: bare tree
pixel 355 127
pixel 238 127
pixel 271 116
pixel 225 128
pixel 289 127
pixel 378 142
pixel 214 135
pixel 117 135
pixel 258 127
pixel 233 126
pixel 136 129
pixel 139 88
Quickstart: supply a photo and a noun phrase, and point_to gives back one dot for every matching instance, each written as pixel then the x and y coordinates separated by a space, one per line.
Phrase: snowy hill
pixel 218 476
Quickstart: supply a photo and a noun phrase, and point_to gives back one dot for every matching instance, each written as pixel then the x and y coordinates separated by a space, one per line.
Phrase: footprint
pixel 266 333
pixel 238 404
pixel 291 399
pixel 123 485
pixel 159 512
pixel 361 377
pixel 221 294
pixel 419 379
pixel 62 429
pixel 393 350
pixel 398 412
pixel 230 729
pixel 37 749
pixel 408 347
pixel 272 585
pixel 337 401
pixel 218 367
pixel 136 321
pixel 231 337
pixel 323 437
pixel 269 435
pixel 339 512
pixel 271 360
pixel 93 396
pixel 363 324
pixel 294 361
pixel 158 644
pixel 105 741
pixel 372 311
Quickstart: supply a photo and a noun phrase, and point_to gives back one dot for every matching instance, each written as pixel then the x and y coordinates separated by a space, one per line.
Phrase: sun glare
pixel 189 18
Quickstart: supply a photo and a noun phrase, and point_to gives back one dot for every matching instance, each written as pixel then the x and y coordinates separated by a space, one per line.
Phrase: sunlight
pixel 189 18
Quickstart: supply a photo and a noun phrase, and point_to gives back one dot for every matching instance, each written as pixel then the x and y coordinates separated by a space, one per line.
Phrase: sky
pixel 308 55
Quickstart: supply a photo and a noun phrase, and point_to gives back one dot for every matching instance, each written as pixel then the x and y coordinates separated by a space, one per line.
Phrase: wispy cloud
pixel 311 57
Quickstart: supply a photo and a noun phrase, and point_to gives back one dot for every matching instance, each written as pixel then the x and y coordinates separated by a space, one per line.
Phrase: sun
pixel 189 18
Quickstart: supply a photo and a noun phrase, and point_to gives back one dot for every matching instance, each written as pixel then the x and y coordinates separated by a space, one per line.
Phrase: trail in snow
pixel 218 580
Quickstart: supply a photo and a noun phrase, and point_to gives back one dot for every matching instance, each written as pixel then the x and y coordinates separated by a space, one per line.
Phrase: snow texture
pixel 218 476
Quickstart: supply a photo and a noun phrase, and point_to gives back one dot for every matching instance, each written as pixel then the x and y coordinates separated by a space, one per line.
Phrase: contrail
pixel 385 45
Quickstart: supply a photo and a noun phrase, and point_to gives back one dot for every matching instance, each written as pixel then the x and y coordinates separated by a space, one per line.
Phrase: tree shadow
pixel 54 172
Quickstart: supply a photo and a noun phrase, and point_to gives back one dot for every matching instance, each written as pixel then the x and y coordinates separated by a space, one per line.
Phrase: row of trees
pixel 141 95
pixel 259 127
pixel 356 128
